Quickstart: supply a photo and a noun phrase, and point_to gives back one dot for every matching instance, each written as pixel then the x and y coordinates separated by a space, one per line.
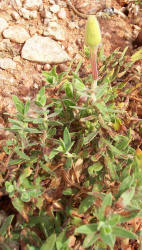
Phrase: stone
pixel 25 13
pixel 32 4
pixel 62 13
pixel 3 24
pixel 7 63
pixel 55 8
pixel 47 67
pixel 15 15
pixel 16 4
pixel 43 50
pixel 16 34
pixel 33 14
pixel 5 45
pixel 55 31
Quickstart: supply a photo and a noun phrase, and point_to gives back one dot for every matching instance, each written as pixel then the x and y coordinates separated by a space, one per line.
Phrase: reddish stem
pixel 94 64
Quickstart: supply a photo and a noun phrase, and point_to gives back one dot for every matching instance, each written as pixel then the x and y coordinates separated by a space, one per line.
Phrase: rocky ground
pixel 36 34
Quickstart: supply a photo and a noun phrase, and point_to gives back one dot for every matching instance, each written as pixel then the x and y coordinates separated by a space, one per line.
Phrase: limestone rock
pixel 55 8
pixel 16 4
pixel 32 4
pixel 7 63
pixel 62 13
pixel 3 24
pixel 43 50
pixel 16 33
pixel 55 31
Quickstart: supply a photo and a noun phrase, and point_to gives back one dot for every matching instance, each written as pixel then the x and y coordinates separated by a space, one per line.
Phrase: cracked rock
pixel 7 63
pixel 55 31
pixel 44 50
pixel 32 4
pixel 16 34
pixel 3 24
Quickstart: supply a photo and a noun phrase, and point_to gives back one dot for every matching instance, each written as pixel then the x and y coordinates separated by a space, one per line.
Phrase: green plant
pixel 76 178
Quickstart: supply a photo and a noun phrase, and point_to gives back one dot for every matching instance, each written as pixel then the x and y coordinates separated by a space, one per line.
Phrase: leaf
pixel 78 85
pixel 21 154
pixel 67 138
pixel 121 232
pixel 136 56
pixel 95 168
pixel 127 196
pixel 126 184
pixel 114 150
pixel 89 240
pixel 89 137
pixel 49 243
pixel 15 162
pixel 27 106
pixel 6 224
pixel 18 204
pixel 87 229
pixel 86 204
pixel 108 238
pixel 107 201
pixel 61 241
pixel 19 105
pixel 26 173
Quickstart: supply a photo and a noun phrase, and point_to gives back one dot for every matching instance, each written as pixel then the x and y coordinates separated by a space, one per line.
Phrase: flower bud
pixel 92 33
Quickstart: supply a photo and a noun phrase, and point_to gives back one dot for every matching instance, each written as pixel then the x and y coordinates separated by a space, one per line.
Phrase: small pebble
pixel 15 15
pixel 55 8
pixel 62 13
pixel 47 66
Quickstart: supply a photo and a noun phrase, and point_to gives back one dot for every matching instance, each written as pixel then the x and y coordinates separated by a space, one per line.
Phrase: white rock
pixel 62 13
pixel 16 4
pixel 16 34
pixel 44 50
pixel 55 31
pixel 3 24
pixel 15 15
pixel 33 14
pixel 55 8
pixel 5 45
pixel 7 63
pixel 25 13
pixel 51 1
pixel 46 13
pixel 47 66
pixel 32 4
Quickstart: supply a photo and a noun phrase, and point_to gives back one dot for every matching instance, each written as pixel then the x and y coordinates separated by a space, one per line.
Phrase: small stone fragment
pixel 3 24
pixel 33 14
pixel 55 31
pixel 62 13
pixel 47 66
pixel 5 45
pixel 55 8
pixel 7 63
pixel 25 13
pixel 16 34
pixel 15 15
pixel 32 4
pixel 16 4
pixel 43 50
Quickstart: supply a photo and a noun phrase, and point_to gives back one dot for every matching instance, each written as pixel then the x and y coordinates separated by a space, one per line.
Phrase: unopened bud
pixel 92 33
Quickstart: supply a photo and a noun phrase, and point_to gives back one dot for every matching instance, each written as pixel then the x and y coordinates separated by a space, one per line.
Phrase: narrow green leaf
pixel 89 240
pixel 127 196
pixel 89 137
pixel 6 224
pixel 86 204
pixel 19 105
pixel 67 138
pixel 27 106
pixel 49 243
pixel 107 201
pixel 108 238
pixel 121 232
pixel 87 229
